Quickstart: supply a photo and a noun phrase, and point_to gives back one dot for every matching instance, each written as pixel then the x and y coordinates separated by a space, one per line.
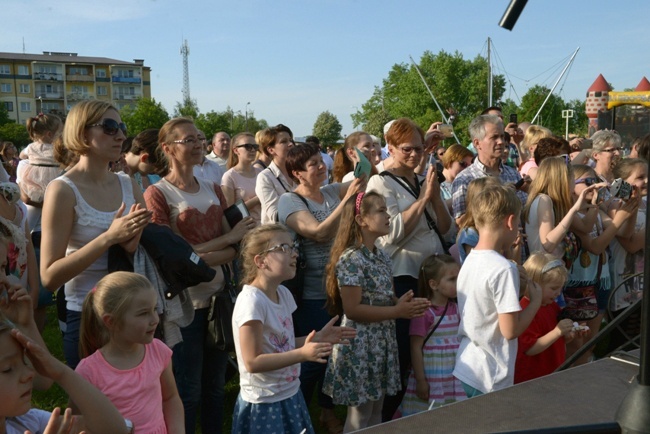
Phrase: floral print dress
pixel 368 368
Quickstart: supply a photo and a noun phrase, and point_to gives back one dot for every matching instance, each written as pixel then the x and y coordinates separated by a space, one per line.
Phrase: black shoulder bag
pixel 222 306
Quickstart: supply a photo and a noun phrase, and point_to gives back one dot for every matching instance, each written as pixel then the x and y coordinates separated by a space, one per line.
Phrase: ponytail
pixel 93 334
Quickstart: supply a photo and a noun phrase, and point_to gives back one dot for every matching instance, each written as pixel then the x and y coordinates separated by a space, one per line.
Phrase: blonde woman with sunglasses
pixel 86 211
pixel 238 183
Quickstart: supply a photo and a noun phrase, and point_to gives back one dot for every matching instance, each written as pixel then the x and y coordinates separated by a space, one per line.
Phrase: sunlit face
pixel 315 171
pixel 277 263
pixel 607 158
pixel 185 149
pixel 245 154
pixel 492 146
pixel 377 219
pixel 281 148
pixel 101 144
pixel 408 154
pixel 551 290
pixel 364 145
pixel 639 179
pixel 221 144
pixel 140 320
pixel 15 378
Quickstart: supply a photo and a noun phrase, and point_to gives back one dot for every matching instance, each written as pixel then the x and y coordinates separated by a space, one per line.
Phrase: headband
pixel 555 263
pixel 357 206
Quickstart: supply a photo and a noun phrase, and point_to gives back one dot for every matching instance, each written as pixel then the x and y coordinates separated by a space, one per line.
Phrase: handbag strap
pixel 436 325
pixel 415 192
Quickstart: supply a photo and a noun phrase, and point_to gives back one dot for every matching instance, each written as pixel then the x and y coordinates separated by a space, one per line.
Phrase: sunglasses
pixel 463 164
pixel 249 146
pixel 612 150
pixel 110 127
pixel 407 150
pixel 588 181
pixel 285 248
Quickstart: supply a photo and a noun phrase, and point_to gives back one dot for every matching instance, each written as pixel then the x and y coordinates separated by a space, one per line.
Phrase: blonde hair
pixel 432 268
pixel 80 117
pixel 494 204
pixel 474 187
pixel 112 295
pixel 233 159
pixel 534 134
pixel 553 179
pixel 535 264
pixel 625 167
pixel 348 235
pixel 253 243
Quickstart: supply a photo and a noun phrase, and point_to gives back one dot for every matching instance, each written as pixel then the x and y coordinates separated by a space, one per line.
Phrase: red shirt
pixel 529 367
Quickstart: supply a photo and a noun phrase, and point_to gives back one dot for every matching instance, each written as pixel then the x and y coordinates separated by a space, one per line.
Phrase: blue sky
pixel 294 59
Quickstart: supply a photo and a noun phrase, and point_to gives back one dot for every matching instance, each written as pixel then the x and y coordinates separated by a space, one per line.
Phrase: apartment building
pixel 53 82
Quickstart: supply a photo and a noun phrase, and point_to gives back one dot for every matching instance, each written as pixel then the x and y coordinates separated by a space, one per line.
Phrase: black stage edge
pixel 586 395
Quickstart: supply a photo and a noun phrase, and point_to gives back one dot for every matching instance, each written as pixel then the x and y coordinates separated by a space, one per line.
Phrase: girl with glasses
pixel 86 211
pixel 268 353
pixel 238 183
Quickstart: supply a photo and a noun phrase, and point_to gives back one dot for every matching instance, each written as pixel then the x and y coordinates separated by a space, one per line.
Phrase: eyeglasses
pixel 249 146
pixel 588 181
pixel 612 150
pixel 190 141
pixel 407 150
pixel 284 247
pixel 110 127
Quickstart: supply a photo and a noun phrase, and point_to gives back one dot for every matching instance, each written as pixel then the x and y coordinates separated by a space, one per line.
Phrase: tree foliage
pixel 456 82
pixel 4 115
pixel 229 121
pixel 327 128
pixel 15 133
pixel 147 113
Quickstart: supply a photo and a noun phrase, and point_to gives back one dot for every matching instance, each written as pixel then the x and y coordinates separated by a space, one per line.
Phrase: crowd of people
pixel 431 273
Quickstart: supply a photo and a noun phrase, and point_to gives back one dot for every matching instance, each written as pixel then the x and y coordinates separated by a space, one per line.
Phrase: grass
pixel 56 397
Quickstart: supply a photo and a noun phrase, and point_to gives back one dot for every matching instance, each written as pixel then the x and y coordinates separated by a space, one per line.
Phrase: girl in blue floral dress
pixel 359 285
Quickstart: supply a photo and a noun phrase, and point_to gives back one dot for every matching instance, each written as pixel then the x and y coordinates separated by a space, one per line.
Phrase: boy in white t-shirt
pixel 488 297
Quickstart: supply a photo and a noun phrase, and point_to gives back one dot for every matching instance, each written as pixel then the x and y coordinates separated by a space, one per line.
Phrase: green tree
pixel 188 109
pixel 212 122
pixel 15 133
pixel 327 128
pixel 580 122
pixel 147 113
pixel 4 115
pixel 551 116
pixel 456 83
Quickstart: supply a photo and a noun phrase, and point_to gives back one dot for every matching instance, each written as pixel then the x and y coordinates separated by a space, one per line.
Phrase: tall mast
pixel 556 83
pixel 489 59
pixel 185 52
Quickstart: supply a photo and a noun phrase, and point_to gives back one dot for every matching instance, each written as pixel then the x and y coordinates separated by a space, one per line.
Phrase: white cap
pixel 387 126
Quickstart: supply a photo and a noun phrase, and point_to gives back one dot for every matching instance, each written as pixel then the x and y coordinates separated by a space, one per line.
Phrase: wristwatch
pixel 130 429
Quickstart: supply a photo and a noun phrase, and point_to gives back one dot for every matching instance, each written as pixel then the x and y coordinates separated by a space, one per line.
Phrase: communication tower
pixel 185 52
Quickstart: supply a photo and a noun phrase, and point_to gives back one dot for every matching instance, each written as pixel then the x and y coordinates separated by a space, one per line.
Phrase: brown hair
pixel 402 130
pixel 432 268
pixel 342 163
pixel 348 235
pixel 166 135
pixel 626 166
pixel 298 156
pixel 455 153
pixel 254 242
pixel 268 135
pixel 41 124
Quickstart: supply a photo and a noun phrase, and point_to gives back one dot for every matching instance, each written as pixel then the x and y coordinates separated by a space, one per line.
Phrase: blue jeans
pixel 71 338
pixel 200 376
pixel 311 315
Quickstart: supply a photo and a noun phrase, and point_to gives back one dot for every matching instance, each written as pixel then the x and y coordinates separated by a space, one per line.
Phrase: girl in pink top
pixel 122 358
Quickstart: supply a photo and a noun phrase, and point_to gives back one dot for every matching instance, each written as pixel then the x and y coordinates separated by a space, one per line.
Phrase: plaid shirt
pixel 478 170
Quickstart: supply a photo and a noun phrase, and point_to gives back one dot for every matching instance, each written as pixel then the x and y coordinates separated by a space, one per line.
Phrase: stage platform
pixel 588 394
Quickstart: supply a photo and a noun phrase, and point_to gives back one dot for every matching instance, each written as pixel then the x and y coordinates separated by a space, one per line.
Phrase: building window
pixel 43 69
pixel 79 90
pixel 24 88
pixel 5 87
pixel 23 70
pixel 101 73
pixel 78 71
pixel 9 106
pixel 4 69
pixel 126 73
pixel 50 106
pixel 102 90
pixel 26 106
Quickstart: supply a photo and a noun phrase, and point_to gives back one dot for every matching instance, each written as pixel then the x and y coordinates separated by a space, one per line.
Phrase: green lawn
pixel 56 397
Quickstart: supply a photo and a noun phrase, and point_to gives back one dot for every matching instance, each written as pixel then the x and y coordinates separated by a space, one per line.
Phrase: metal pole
pixel 444 118
pixel 555 85
pixel 490 84
pixel 247 115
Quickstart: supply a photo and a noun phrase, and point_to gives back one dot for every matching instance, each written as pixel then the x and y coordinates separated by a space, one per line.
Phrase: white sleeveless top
pixel 89 224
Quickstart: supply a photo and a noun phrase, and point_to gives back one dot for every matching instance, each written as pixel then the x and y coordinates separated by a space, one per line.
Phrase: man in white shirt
pixel 207 168
pixel 220 149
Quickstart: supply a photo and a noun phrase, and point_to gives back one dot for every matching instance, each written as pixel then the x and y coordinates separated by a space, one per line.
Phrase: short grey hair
pixel 604 138
pixel 477 126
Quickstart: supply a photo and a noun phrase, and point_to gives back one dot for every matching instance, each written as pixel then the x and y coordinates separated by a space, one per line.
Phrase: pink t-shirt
pixel 527 166
pixel 135 392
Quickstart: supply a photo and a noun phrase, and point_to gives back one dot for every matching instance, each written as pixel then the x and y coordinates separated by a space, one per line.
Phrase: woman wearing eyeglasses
pixel 418 220
pixel 238 183
pixel 454 160
pixel 86 211
pixel 193 208
pixel 606 153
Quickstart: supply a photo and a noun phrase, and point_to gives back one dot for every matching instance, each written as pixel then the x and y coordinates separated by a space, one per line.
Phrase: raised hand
pixel 42 361
pixel 15 302
pixel 335 335
pixel 409 306
pixel 125 228
pixel 315 351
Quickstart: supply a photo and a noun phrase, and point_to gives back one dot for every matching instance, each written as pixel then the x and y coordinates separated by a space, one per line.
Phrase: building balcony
pixel 79 77
pixel 125 97
pixel 136 80
pixel 48 76
pixel 49 95
pixel 78 96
